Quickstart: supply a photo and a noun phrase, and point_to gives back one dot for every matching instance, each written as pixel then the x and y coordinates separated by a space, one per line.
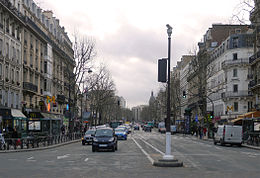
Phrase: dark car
pixel 136 127
pixel 104 139
pixel 88 137
pixel 147 128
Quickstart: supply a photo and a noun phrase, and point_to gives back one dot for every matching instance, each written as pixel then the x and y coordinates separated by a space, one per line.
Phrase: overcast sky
pixel 131 34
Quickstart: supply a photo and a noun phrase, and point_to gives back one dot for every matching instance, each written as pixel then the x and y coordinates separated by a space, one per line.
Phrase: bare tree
pixel 101 89
pixel 242 11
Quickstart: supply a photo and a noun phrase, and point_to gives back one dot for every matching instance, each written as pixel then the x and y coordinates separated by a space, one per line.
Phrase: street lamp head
pixel 169 30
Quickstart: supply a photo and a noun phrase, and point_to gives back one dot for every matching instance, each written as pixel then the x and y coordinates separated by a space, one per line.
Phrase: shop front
pixel 44 123
pixel 11 119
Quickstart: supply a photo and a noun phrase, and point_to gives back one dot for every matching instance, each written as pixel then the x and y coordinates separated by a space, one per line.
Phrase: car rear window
pixel 104 132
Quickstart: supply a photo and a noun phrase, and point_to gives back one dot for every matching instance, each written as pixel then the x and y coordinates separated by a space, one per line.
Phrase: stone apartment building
pixel 36 60
pixel 227 86
pixel 254 60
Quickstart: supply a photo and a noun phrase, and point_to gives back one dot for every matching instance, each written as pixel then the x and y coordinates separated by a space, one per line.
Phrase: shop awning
pixel 48 116
pixel 17 114
pixel 253 114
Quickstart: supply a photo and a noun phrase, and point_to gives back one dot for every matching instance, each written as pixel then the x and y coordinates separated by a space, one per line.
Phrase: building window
pixel 0 71
pixel 7 50
pixel 234 56
pixel 236 106
pixel 45 66
pixel 6 72
pixel 17 76
pixel 1 47
pixel 234 72
pixel 235 42
pixel 45 85
pixel 235 88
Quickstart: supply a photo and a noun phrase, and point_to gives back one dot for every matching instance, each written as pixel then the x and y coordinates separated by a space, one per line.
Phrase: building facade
pixel 36 61
pixel 227 86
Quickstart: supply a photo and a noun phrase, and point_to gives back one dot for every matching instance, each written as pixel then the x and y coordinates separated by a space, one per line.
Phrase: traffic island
pixel 168 163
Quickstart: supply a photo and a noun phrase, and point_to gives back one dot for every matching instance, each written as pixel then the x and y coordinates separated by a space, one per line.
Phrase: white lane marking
pixel 147 155
pixel 86 160
pixel 180 154
pixel 30 158
pixel 156 149
pixel 62 157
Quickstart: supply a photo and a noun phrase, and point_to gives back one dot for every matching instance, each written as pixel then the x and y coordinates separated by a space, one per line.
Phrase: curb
pixel 168 163
pixel 211 140
pixel 252 147
pixel 41 148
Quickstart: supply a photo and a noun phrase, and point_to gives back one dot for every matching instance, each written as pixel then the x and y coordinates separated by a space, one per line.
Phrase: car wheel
pixel 222 143
pixel 116 147
pixel 93 149
pixel 125 138
pixel 113 149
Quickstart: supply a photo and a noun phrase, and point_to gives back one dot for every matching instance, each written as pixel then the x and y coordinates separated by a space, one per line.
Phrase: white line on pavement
pixel 30 158
pixel 62 157
pixel 156 149
pixel 147 155
pixel 86 160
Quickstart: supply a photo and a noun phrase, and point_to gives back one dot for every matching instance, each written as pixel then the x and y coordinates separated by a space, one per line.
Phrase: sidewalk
pixel 39 148
pixel 211 140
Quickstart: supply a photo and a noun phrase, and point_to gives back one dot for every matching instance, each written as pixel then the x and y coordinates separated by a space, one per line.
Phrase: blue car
pixel 121 133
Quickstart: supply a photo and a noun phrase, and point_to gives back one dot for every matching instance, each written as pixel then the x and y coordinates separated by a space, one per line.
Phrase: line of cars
pixel 103 137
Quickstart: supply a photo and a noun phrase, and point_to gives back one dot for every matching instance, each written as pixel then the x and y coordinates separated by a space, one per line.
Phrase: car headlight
pixel 95 140
pixel 111 139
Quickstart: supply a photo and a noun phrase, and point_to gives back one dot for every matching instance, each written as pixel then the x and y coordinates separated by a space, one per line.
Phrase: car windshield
pixel 120 130
pixel 89 132
pixel 104 132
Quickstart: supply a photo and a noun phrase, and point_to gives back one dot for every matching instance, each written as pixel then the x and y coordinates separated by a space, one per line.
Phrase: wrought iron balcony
pixel 228 63
pixel 30 87
pixel 254 57
pixel 231 94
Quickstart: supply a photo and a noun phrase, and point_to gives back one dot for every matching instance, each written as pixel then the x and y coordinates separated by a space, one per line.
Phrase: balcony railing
pixel 254 57
pixel 234 62
pixel 231 94
pixel 30 87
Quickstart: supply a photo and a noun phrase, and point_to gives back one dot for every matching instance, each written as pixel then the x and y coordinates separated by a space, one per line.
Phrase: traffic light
pixel 211 114
pixel 184 94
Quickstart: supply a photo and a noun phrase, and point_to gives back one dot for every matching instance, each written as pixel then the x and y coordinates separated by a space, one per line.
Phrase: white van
pixel 228 134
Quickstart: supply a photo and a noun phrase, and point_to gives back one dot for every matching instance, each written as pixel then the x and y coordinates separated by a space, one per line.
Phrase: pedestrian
pixel 204 132
pixel 200 132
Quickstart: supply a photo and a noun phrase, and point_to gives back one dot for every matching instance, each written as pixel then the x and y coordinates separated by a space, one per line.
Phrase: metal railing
pixel 36 142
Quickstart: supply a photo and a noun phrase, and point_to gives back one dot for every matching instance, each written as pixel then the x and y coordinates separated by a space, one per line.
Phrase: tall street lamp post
pixel 167 160
pixel 168 155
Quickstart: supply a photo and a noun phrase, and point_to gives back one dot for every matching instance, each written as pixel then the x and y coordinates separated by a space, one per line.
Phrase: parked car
pixel 162 130
pixel 136 127
pixel 161 125
pixel 121 133
pixel 88 137
pixel 2 142
pixel 173 129
pixel 147 128
pixel 104 138
pixel 228 134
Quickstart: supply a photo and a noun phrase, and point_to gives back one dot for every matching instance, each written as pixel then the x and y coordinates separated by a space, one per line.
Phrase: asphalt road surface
pixel 134 159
